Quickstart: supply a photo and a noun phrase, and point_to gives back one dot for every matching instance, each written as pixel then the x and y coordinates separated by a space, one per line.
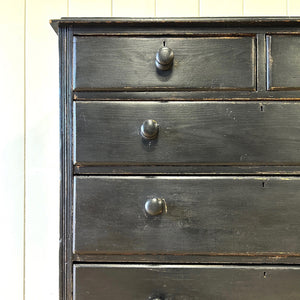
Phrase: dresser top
pixel 178 22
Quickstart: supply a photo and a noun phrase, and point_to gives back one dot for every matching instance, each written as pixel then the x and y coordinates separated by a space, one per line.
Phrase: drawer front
pixel 178 282
pixel 206 133
pixel 283 64
pixel 205 63
pixel 200 215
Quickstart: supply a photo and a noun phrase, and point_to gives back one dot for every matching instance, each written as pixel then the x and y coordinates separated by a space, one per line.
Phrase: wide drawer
pixel 199 215
pixel 200 63
pixel 190 133
pixel 188 282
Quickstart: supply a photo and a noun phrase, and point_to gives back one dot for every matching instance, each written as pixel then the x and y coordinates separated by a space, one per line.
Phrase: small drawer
pixel 187 133
pixel 188 282
pixel 283 61
pixel 135 63
pixel 187 215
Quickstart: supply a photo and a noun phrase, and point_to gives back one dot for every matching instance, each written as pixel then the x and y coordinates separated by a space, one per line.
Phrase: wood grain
pixel 203 133
pixel 283 62
pixel 175 282
pixel 230 215
pixel 176 25
pixel 208 63
pixel 225 217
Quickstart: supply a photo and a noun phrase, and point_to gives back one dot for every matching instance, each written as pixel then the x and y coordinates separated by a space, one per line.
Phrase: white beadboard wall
pixel 29 148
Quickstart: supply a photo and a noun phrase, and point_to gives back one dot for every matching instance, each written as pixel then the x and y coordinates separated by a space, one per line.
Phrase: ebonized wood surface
pixel 204 215
pixel 183 282
pixel 212 63
pixel 226 159
pixel 283 62
pixel 214 133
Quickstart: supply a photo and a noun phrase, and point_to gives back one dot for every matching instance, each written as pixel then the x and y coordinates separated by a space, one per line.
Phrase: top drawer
pixel 200 63
pixel 283 62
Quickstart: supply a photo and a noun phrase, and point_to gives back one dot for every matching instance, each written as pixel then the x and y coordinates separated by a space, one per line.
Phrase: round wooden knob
pixel 154 206
pixel 164 58
pixel 149 129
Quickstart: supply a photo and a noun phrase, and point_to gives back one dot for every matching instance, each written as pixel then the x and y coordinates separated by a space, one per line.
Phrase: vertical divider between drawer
pixel 261 63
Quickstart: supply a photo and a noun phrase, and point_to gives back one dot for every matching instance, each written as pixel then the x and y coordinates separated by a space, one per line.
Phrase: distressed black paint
pixel 207 127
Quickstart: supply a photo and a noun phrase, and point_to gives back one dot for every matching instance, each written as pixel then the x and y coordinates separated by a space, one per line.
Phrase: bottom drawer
pixel 130 282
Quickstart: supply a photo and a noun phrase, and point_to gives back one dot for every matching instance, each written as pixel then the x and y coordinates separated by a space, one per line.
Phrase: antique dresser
pixel 180 158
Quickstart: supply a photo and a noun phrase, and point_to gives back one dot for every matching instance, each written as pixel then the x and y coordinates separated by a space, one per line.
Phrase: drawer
pixel 198 216
pixel 188 282
pixel 189 133
pixel 200 63
pixel 283 61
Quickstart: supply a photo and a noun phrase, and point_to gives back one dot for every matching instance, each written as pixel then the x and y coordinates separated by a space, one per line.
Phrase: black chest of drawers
pixel 180 142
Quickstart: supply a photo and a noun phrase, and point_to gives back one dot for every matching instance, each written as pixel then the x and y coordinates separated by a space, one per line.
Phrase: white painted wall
pixel 12 149
pixel 29 135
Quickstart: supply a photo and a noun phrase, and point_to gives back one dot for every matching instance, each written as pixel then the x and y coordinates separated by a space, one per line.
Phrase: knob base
pixel 163 67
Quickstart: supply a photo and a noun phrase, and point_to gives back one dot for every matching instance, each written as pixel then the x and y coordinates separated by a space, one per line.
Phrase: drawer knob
pixel 149 129
pixel 164 58
pixel 155 206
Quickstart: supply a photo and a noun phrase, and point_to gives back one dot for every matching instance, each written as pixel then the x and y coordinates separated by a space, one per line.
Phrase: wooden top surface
pixel 233 21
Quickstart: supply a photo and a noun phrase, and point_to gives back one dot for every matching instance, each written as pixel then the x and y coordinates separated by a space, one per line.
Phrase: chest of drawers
pixel 180 142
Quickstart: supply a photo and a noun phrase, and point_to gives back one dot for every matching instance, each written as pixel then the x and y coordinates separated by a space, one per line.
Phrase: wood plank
pixel 190 133
pixel 293 8
pixel 173 95
pixel 188 259
pixel 135 282
pixel 209 8
pixel 177 8
pixel 204 216
pixel 78 8
pixel 188 28
pixel 12 149
pixel 133 8
pixel 65 66
pixel 182 23
pixel 208 63
pixel 265 8
pixel 42 150
pixel 91 169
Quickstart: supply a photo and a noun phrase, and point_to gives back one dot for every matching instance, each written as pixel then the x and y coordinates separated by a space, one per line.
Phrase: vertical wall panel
pixel 213 8
pixel 42 150
pixel 177 8
pixel 133 8
pixel 265 7
pixel 90 8
pixel 293 7
pixel 12 148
